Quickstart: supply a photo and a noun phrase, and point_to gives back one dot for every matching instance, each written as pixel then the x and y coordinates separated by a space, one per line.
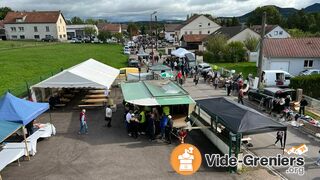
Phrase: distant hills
pixel 285 12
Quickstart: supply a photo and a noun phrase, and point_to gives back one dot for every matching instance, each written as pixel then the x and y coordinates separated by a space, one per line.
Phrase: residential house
pixel 113 28
pixel 193 41
pixel 2 31
pixel 78 30
pixel 236 33
pixel 35 25
pixel 197 24
pixel 291 54
pixel 124 28
pixel 170 32
pixel 272 31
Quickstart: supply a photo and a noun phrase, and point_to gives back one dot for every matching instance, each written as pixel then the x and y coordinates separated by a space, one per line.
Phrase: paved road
pixel 263 144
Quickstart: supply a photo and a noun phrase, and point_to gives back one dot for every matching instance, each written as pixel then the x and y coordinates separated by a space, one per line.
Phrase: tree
pixel 4 11
pixel 90 31
pixel 119 37
pixel 235 21
pixel 133 29
pixel 91 21
pixel 235 52
pixel 273 16
pixel 143 29
pixel 104 35
pixel 216 45
pixel 251 43
pixel 76 20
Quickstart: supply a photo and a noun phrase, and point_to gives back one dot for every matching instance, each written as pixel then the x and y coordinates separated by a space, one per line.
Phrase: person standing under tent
pixel 142 122
pixel 83 122
pixel 168 129
pixel 108 116
pixel 128 118
pixel 163 124
pixel 151 128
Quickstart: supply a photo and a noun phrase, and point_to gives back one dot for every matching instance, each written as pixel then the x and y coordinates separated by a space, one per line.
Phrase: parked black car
pixel 48 39
pixel 269 93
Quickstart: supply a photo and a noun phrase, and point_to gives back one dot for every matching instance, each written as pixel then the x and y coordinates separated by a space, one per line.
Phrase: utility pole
pixel 262 34
pixel 156 22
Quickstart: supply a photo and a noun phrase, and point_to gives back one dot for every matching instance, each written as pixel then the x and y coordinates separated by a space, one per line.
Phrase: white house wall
pixel 276 33
pixel 296 65
pixel 29 32
pixel 243 35
pixel 193 26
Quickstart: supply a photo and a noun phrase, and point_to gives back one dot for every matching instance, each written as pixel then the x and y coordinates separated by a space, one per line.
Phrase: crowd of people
pixel 154 122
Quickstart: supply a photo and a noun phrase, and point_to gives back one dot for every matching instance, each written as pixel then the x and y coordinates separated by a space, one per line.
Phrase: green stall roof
pixel 155 93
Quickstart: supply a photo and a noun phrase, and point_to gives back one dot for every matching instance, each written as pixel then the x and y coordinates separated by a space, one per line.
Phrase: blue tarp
pixel 19 110
pixel 7 129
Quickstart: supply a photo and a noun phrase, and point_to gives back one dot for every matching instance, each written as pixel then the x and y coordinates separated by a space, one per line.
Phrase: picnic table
pixel 93 96
pixel 100 100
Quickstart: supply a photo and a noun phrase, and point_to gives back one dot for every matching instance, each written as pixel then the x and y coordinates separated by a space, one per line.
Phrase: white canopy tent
pixel 181 52
pixel 88 74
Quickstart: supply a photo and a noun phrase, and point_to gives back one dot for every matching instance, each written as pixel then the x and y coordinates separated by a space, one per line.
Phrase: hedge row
pixel 309 84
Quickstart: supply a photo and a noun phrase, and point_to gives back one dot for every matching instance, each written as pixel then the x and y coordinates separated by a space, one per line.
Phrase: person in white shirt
pixel 128 118
pixel 108 116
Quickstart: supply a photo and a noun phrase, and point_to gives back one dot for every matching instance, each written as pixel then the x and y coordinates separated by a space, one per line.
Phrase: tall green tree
pixel 76 20
pixel 133 29
pixel 91 21
pixel 4 11
pixel 216 46
pixel 251 43
pixel 273 16
pixel 235 21
pixel 90 31
pixel 104 35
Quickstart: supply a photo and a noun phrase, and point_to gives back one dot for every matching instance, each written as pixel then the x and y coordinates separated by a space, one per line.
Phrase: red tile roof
pixel 193 37
pixel 258 28
pixel 109 27
pixel 32 17
pixel 171 27
pixel 292 47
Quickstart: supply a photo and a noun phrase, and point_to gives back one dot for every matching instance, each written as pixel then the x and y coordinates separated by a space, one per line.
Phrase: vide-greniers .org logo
pixel 295 164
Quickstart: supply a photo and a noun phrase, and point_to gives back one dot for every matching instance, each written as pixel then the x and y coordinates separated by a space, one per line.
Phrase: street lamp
pixel 151 36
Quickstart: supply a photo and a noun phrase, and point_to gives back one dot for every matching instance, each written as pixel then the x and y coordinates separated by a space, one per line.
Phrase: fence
pixel 23 89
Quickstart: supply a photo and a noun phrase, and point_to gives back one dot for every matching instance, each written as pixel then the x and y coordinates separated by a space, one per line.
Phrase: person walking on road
pixel 318 160
pixel 303 104
pixel 240 95
pixel 108 116
pixel 279 138
pixel 83 122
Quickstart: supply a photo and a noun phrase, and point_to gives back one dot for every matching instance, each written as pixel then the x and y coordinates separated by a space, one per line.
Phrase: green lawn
pixel 244 67
pixel 5 45
pixel 27 63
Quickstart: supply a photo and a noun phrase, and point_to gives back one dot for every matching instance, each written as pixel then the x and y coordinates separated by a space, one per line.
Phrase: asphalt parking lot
pixel 107 153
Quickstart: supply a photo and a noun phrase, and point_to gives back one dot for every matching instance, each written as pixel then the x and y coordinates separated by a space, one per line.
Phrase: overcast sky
pixel 133 10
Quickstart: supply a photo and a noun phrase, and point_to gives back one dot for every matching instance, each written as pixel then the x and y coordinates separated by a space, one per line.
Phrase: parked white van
pixel 276 78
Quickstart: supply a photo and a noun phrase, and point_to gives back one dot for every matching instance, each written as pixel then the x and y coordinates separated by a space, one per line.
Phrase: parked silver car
pixel 309 72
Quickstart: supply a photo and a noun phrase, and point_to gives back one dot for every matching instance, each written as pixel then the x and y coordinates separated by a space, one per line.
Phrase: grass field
pixel 244 67
pixel 28 61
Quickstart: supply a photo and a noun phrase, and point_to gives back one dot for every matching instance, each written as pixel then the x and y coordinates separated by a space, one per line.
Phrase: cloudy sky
pixel 133 10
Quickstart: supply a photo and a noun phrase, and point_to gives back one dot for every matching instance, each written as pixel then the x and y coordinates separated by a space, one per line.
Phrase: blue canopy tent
pixel 7 129
pixel 19 110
